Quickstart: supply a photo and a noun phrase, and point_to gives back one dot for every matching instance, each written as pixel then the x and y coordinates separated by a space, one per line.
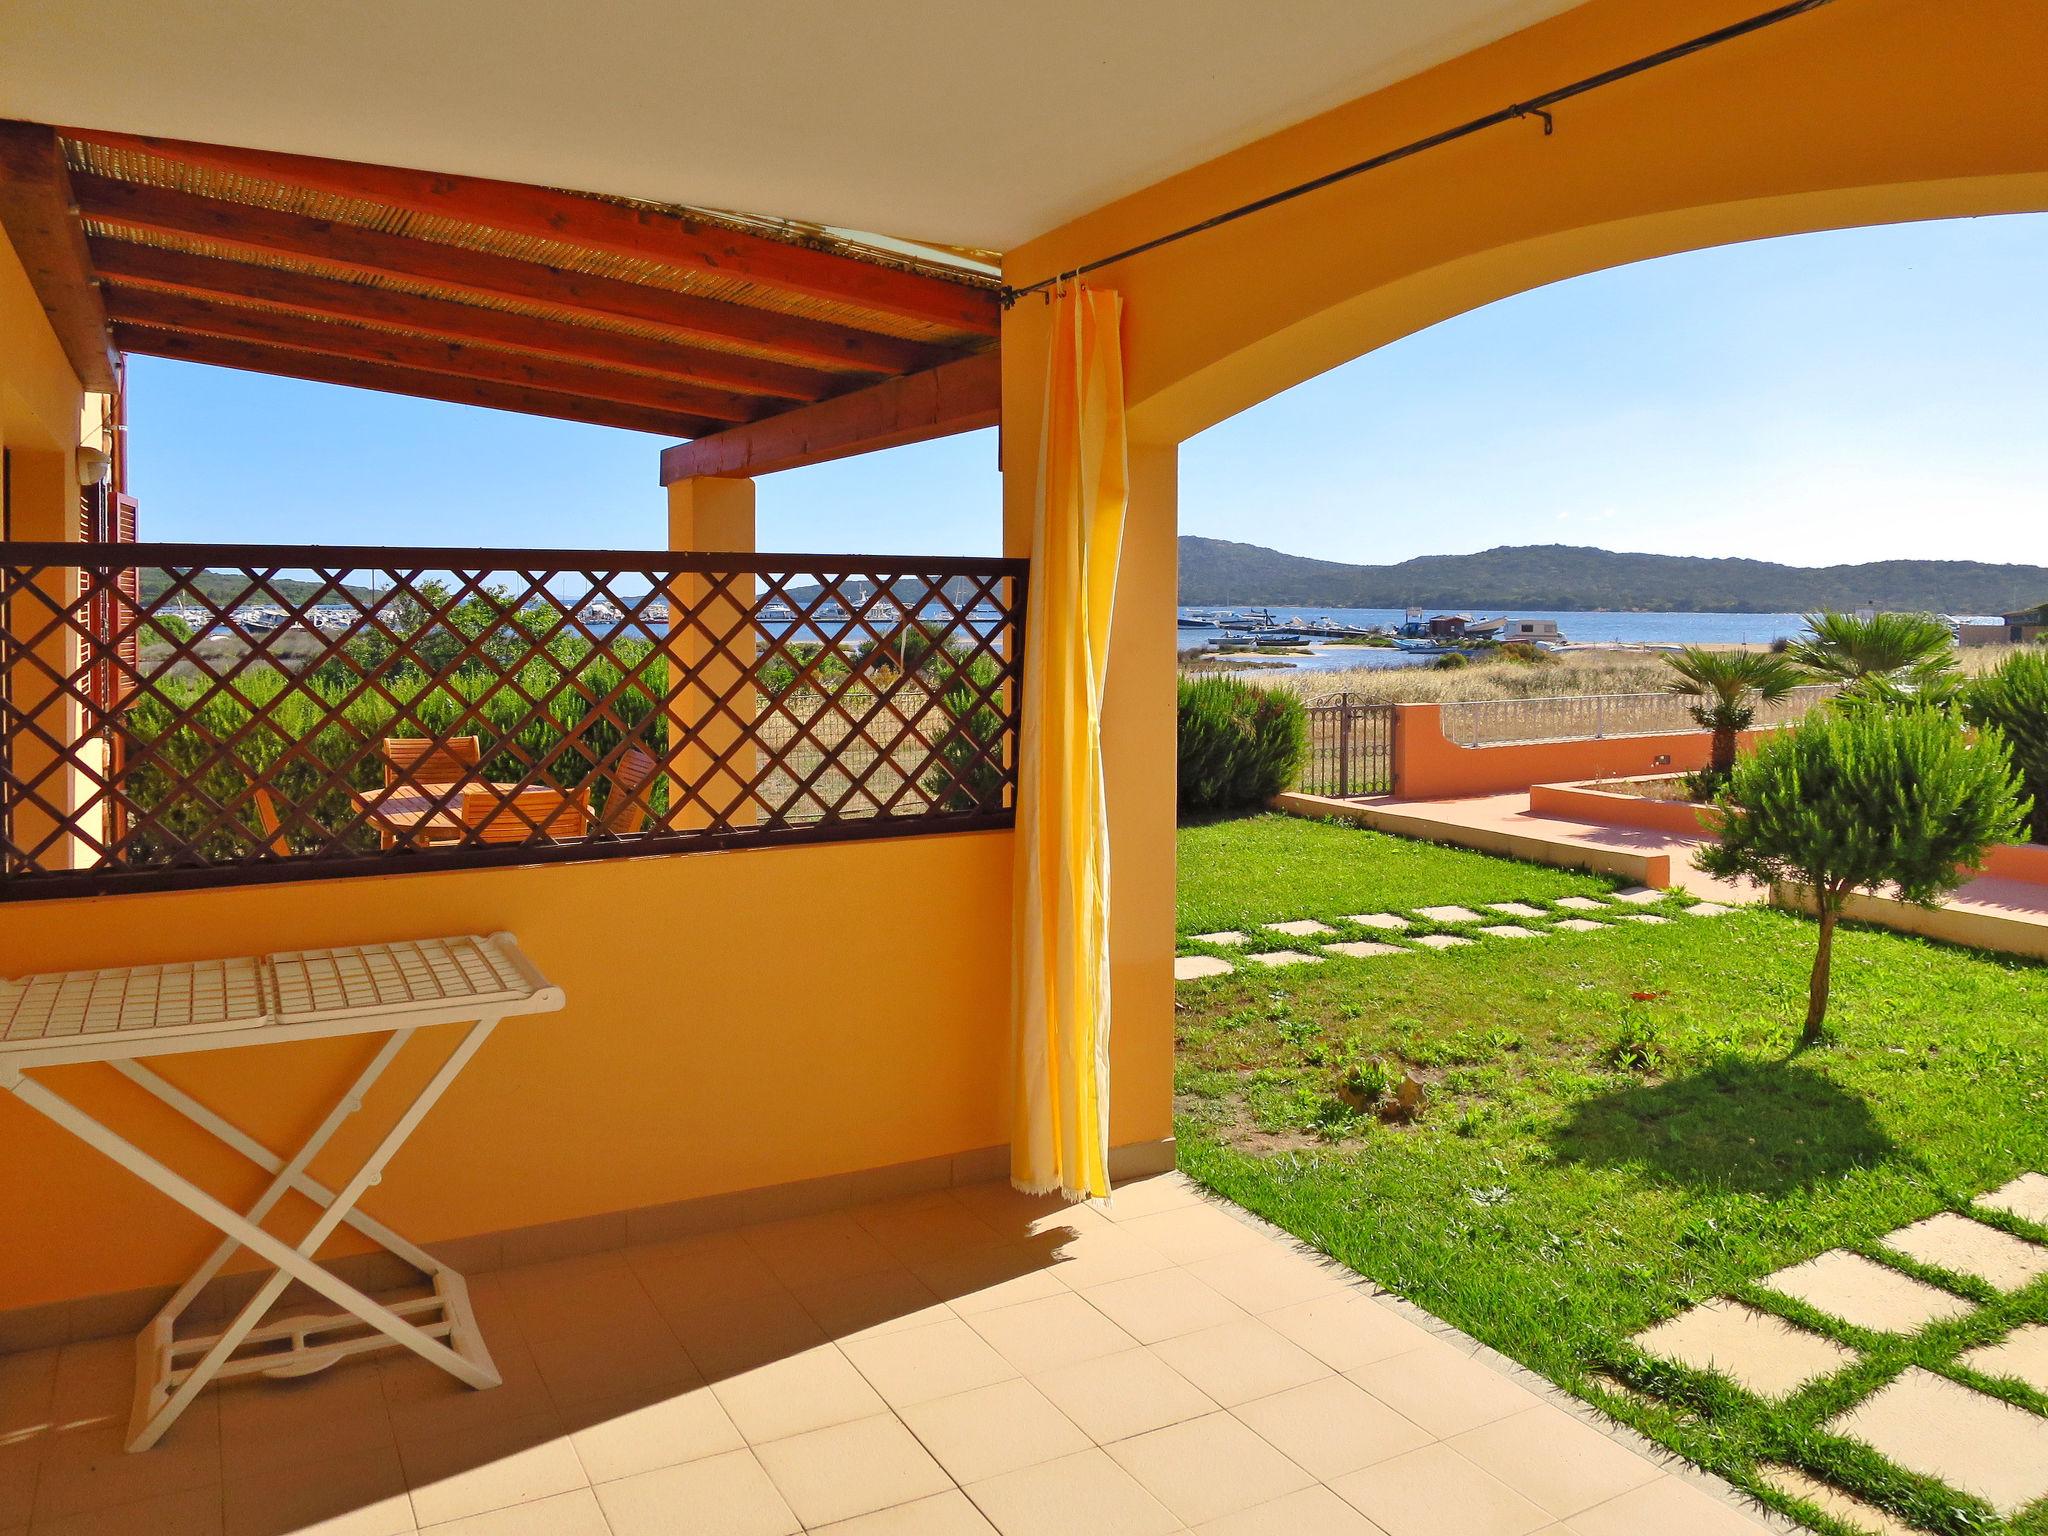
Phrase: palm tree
pixel 1885 658
pixel 1728 686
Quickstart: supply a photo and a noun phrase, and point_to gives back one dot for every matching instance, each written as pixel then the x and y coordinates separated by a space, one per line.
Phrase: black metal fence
pixel 188 714
pixel 1351 748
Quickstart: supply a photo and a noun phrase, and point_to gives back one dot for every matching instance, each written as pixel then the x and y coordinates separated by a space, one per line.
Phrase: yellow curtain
pixel 1060 985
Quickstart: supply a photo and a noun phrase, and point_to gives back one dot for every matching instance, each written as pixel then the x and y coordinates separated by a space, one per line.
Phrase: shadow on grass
pixel 1760 1127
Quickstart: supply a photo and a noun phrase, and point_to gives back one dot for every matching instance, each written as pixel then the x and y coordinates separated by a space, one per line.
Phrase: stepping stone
pixel 1447 914
pixel 1949 1241
pixel 1301 928
pixel 1284 957
pixel 1511 931
pixel 1931 1425
pixel 1755 1350
pixel 1643 917
pixel 2025 1197
pixel 1580 904
pixel 1195 967
pixel 2021 1354
pixel 1864 1293
pixel 1363 949
pixel 1834 1502
pixel 1385 920
pixel 1580 925
pixel 1517 909
pixel 1641 895
pixel 1229 936
pixel 1442 940
pixel 1715 909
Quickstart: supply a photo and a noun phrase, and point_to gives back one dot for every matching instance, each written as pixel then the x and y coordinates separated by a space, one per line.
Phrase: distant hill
pixel 233 587
pixel 1218 572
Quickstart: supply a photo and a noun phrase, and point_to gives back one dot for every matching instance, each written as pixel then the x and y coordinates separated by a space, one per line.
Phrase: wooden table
pixel 484 812
pixel 124 1015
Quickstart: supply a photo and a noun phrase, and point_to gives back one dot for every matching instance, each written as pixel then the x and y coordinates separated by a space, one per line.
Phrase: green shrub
pixel 1860 799
pixel 1240 745
pixel 2015 700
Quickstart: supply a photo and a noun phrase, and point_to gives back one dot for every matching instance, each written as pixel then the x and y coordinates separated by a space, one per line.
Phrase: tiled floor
pixel 966 1361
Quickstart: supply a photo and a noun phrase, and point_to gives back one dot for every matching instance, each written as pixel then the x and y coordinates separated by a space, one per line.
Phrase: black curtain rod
pixel 1535 106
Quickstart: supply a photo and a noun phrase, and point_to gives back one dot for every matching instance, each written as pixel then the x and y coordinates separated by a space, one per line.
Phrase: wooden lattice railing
pixel 177 714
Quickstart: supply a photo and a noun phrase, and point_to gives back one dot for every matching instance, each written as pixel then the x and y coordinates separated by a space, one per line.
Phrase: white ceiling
pixel 955 121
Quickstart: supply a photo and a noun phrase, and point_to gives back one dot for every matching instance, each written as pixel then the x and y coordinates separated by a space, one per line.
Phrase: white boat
pixel 775 611
pixel 884 612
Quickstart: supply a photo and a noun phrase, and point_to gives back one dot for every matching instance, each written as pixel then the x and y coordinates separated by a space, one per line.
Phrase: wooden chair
pixel 625 810
pixel 495 813
pixel 266 814
pixel 414 760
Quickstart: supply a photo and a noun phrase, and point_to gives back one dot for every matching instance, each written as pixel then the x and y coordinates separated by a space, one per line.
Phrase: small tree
pixel 1857 799
pixel 2015 700
pixel 1889 658
pixel 1728 686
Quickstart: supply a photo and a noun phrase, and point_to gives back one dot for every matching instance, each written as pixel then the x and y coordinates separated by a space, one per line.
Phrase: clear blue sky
pixel 1855 396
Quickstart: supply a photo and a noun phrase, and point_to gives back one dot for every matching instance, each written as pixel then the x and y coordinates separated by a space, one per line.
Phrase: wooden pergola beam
pixel 695 245
pixel 955 397
pixel 155 269
pixel 36 211
pixel 334 338
pixel 370 253
pixel 256 357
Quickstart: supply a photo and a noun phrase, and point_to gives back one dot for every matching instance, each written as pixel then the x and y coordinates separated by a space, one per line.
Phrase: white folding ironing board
pixel 122 1016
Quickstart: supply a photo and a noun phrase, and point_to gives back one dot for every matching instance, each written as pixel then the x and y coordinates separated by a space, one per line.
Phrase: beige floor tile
pixel 1280 957
pixel 1444 1391
pixel 269 1425
pixel 730 1494
pixel 859 1305
pixel 943 1514
pixel 1363 949
pixel 1865 1293
pixel 918 1364
pixel 1203 1469
pixel 817 1247
pixel 196 1512
pixel 1953 1242
pixel 1387 922
pixel 1313 1511
pixel 1116 1396
pixel 697 1272
pixel 1442 940
pixel 1332 1426
pixel 2025 1197
pixel 1555 1460
pixel 1516 909
pixel 994 1429
pixel 488 1467
pixel 925 1226
pixel 642 1357
pixel 18 1471
pixel 566 1295
pixel 1762 1353
pixel 1941 1429
pixel 1347 1329
pixel 1229 937
pixel 851 1469
pixel 1042 1335
pixel 1578 924
pixel 1085 1494
pixel 1016 1216
pixel 811 1390
pixel 1669 1507
pixel 1448 914
pixel 1834 1502
pixel 1198 967
pixel 1236 1362
pixel 1189 1233
pixel 2021 1354
pixel 424 1400
pixel 1272 1275
pixel 1096 1257
pixel 1301 928
pixel 1434 1491
pixel 995 1277
pixel 1162 1305
pixel 28 1387
pixel 1641 895
pixel 91 1468
pixel 359 1493
pixel 619 1439
pixel 731 1336
pixel 1149 1196
pixel 1510 931
pixel 565 1514
pixel 1580 904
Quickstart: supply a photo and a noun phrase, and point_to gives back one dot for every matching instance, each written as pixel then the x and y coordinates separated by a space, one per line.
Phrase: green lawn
pixel 1269 868
pixel 1615 1127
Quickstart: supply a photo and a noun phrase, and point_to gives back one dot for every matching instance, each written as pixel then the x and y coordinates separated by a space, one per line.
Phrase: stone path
pixel 1924 1422
pixel 1379 935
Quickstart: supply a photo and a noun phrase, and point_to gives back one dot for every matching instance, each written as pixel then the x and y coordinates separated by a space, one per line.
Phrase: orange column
pixel 709 767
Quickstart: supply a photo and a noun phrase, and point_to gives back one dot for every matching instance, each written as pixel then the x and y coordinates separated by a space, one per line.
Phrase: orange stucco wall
pixel 734 1020
pixel 1429 766
pixel 1588 802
